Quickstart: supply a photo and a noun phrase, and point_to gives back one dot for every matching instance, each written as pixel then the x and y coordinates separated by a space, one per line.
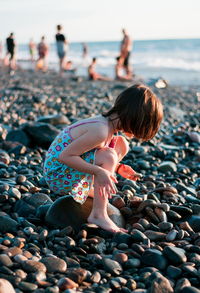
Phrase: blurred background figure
pixel 1 52
pixel 61 44
pixel 69 67
pixel 32 49
pixel 10 59
pixel 84 50
pixel 125 51
pixel 92 74
pixel 43 50
pixel 119 70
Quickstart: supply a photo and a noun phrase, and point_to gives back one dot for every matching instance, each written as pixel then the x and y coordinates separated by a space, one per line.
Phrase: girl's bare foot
pixel 105 223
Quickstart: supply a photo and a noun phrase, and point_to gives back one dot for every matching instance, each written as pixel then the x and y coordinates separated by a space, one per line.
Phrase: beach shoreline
pixel 161 211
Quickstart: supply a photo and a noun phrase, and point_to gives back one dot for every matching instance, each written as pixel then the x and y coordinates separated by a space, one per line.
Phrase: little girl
pixel 83 158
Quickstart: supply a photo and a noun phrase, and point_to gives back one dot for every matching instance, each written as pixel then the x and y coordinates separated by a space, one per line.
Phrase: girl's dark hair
pixel 139 111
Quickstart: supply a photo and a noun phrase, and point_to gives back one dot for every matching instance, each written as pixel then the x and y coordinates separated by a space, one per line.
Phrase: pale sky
pixel 100 20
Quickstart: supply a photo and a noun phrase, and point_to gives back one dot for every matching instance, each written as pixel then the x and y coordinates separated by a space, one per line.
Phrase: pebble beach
pixel 160 252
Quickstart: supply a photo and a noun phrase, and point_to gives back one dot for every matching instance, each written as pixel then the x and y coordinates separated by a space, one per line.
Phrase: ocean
pixel 175 60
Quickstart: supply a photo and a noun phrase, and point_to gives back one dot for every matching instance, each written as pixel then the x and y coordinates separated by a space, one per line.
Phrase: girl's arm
pixel 70 156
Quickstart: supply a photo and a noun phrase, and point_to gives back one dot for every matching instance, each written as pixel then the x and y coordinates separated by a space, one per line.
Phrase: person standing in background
pixel 43 50
pixel 85 50
pixel 1 51
pixel 11 50
pixel 125 52
pixel 61 44
pixel 32 49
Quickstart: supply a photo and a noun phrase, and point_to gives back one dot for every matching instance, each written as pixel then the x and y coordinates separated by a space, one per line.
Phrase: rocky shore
pixel 161 251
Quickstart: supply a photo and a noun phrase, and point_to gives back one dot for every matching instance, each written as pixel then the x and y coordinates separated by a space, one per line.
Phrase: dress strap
pixel 86 122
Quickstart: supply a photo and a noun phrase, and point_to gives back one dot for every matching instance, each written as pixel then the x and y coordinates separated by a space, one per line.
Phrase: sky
pixel 100 20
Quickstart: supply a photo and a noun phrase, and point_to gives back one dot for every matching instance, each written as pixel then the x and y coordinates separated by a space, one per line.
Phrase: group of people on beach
pixel 122 68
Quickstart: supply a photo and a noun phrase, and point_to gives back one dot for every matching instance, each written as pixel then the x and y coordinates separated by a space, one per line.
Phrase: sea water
pixel 175 60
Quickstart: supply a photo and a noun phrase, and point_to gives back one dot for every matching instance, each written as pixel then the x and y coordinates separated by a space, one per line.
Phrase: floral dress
pixel 64 180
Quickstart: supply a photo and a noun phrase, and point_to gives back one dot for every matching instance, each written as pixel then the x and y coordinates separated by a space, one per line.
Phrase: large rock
pixel 66 212
pixel 7 224
pixel 28 205
pixel 41 134
pixel 19 136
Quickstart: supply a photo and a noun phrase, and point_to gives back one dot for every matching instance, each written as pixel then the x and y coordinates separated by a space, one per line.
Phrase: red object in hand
pixel 127 172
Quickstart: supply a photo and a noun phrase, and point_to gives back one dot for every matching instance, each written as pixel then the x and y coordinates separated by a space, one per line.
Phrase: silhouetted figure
pixel 1 51
pixel 61 44
pixel 85 50
pixel 10 55
pixel 125 51
pixel 43 50
pixel 92 74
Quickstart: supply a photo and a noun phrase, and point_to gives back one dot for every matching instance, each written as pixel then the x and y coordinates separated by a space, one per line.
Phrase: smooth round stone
pixel 181 283
pixel 138 235
pixel 161 283
pixel 95 277
pixel 190 270
pixel 4 187
pixel 181 210
pixel 171 236
pixel 55 289
pixel 190 289
pixel 118 202
pixel 6 286
pixel 174 272
pixel 143 164
pixel 21 274
pixel 154 258
pixel 54 119
pixel 165 226
pixel 14 192
pixel 138 149
pixel 31 266
pixel 194 222
pixel 175 255
pixel 66 283
pixel 12 251
pixel 78 275
pixel 112 266
pixel 132 263
pixel 122 238
pixel 154 235
pixel 7 224
pixel 120 257
pixel 20 178
pixel 26 286
pixel 66 212
pixel 28 230
pixel 54 264
pixel 5 260
pixel 167 166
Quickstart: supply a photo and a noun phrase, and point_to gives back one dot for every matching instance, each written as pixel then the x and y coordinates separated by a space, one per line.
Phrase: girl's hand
pixel 127 172
pixel 106 181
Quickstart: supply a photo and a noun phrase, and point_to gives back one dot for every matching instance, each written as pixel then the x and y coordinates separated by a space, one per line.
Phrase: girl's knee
pixel 106 156
pixel 122 146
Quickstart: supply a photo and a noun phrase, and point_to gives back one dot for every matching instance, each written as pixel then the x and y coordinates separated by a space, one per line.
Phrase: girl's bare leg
pixel 107 158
